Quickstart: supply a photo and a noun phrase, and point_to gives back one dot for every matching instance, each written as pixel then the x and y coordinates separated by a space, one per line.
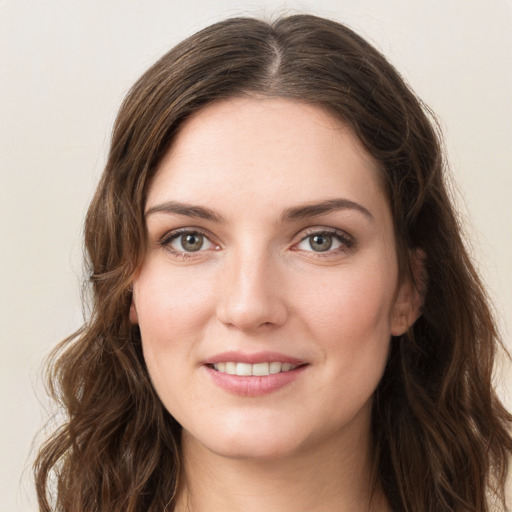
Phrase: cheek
pixel 170 305
pixel 348 316
pixel 349 304
pixel 172 312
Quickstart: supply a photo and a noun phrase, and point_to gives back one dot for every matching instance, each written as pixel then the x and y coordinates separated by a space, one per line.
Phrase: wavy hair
pixel 441 437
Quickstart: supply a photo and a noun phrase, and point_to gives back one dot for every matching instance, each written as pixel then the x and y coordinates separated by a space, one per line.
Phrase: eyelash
pixel 168 238
pixel 346 241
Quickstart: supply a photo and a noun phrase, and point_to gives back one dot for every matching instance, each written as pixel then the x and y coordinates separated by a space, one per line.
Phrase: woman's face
pixel 269 291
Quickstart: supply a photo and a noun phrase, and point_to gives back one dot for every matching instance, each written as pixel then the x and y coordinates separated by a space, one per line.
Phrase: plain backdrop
pixel 64 69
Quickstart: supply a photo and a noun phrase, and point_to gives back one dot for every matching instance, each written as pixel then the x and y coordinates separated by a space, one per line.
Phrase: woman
pixel 284 316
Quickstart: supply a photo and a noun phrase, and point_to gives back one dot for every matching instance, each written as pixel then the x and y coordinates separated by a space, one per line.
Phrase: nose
pixel 251 294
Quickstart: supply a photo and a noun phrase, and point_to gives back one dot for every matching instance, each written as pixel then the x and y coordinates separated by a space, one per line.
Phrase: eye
pixel 325 241
pixel 186 241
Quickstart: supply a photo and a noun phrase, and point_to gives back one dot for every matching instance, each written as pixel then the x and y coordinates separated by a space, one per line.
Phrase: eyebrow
pixel 197 212
pixel 323 207
pixel 289 214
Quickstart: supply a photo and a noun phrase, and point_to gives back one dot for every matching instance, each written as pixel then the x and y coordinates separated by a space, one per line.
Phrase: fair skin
pixel 270 254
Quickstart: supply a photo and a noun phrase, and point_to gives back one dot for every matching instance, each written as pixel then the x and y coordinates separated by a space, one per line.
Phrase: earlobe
pixel 134 318
pixel 410 297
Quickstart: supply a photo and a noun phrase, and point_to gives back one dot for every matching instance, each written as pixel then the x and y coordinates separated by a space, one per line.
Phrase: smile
pixel 256 370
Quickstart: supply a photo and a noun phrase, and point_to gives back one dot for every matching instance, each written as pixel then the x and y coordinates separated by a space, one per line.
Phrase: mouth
pixel 255 370
pixel 255 374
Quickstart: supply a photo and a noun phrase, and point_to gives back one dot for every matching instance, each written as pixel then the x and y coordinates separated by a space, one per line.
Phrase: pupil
pixel 321 243
pixel 192 243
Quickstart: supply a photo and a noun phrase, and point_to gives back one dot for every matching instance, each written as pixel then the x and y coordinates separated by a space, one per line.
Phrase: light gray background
pixel 64 68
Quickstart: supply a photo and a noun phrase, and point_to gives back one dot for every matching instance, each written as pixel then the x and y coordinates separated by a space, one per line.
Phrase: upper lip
pixel 255 358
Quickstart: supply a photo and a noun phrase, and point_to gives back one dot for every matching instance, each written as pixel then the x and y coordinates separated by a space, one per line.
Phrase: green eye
pixel 187 242
pixel 191 242
pixel 325 241
pixel 320 243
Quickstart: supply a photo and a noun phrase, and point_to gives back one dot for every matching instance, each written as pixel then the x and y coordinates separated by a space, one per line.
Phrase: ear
pixel 410 296
pixel 134 318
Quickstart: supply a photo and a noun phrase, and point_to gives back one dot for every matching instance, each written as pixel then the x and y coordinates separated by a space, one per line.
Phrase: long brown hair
pixel 441 437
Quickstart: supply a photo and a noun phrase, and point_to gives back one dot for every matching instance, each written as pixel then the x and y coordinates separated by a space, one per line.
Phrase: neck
pixel 319 479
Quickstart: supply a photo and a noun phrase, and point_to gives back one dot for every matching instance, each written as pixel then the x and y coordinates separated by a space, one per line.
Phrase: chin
pixel 255 451
pixel 256 443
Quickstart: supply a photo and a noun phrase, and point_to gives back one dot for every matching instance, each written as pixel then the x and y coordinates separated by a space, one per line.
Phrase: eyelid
pixel 347 241
pixel 168 237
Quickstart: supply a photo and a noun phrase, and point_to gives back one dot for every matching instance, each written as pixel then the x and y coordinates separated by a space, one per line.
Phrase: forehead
pixel 265 152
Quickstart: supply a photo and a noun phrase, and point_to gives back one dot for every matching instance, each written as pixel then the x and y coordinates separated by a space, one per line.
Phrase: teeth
pixel 257 370
pixel 260 369
pixel 275 367
pixel 230 368
pixel 243 369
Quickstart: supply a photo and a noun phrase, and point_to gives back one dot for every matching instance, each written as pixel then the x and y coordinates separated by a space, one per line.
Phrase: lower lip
pixel 253 386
